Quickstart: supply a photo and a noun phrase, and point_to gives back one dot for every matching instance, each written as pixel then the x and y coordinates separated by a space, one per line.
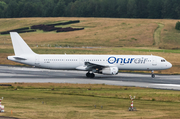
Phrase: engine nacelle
pixel 110 71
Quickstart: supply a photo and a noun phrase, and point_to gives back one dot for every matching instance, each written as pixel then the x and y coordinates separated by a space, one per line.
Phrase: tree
pixel 154 8
pixel 177 9
pixel 12 10
pixel 111 11
pixel 90 8
pixel 59 9
pixel 31 9
pixel 108 8
pixel 48 8
pixel 69 1
pixel 141 9
pixel 177 25
pixel 121 8
pixel 169 8
pixel 131 9
pixel 3 5
pixel 69 10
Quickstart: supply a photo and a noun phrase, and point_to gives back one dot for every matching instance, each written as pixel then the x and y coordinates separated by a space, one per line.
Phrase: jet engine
pixel 110 71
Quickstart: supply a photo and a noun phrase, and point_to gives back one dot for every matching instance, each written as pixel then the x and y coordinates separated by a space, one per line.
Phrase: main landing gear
pixel 90 75
pixel 152 74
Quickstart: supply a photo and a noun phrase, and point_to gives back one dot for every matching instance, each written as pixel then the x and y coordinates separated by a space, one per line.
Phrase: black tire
pixel 153 75
pixel 88 75
pixel 92 75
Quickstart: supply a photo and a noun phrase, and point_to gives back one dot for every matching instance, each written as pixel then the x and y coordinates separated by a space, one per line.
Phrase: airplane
pixel 101 64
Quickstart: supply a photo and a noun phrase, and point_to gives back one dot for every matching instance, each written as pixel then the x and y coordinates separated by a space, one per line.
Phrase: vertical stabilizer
pixel 19 45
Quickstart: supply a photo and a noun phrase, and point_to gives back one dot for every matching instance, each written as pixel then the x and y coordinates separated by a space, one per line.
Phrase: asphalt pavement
pixel 10 74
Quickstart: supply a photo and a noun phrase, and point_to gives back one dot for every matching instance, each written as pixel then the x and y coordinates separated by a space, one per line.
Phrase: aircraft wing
pixel 88 66
pixel 91 66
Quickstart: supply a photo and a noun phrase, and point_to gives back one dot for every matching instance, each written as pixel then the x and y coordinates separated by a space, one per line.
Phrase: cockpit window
pixel 163 60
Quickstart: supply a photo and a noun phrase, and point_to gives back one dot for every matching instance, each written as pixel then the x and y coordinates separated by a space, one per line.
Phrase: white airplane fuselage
pixel 72 62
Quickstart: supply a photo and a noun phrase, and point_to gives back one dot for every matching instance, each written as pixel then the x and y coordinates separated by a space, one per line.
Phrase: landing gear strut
pixel 152 74
pixel 90 75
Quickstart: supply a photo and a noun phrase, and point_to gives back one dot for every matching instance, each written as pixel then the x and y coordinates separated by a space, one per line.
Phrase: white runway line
pixel 167 85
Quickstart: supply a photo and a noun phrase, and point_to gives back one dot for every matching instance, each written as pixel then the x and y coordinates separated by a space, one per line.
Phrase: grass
pixel 170 36
pixel 134 32
pixel 38 100
pixel 105 35
pixel 98 32
pixel 152 50
pixel 93 35
pixel 157 34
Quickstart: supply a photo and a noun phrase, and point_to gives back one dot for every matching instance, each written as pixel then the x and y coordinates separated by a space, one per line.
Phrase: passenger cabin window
pixel 163 60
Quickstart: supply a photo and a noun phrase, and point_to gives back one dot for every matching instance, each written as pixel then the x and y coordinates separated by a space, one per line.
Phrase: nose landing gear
pixel 152 74
pixel 90 75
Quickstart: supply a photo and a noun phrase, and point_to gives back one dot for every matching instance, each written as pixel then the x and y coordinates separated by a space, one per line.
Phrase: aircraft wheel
pixel 153 75
pixel 92 75
pixel 88 74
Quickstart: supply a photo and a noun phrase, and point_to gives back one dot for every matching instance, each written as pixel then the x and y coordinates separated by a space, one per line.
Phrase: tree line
pixel 155 9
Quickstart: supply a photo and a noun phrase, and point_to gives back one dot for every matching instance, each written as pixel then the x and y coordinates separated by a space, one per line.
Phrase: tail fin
pixel 19 45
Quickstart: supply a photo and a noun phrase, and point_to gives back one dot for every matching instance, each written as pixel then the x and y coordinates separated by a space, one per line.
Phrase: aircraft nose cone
pixel 169 65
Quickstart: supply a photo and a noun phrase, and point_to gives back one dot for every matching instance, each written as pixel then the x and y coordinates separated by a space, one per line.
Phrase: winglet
pixel 19 45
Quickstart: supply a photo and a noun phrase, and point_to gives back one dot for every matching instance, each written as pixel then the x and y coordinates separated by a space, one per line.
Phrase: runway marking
pixel 167 85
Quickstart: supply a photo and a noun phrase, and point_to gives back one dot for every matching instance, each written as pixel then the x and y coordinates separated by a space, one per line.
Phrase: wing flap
pixel 88 66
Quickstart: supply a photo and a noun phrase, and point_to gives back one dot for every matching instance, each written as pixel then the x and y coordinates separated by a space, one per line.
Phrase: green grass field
pixel 78 101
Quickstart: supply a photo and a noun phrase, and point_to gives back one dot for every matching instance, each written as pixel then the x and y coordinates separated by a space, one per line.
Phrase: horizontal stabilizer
pixel 20 58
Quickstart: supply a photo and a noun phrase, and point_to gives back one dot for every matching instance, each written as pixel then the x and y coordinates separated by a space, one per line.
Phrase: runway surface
pixel 9 74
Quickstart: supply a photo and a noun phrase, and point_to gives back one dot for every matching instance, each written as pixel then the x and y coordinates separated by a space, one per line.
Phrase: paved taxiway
pixel 9 74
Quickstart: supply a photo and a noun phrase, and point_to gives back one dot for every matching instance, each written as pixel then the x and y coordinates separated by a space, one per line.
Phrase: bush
pixel 177 25
pixel 19 87
pixel 153 99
